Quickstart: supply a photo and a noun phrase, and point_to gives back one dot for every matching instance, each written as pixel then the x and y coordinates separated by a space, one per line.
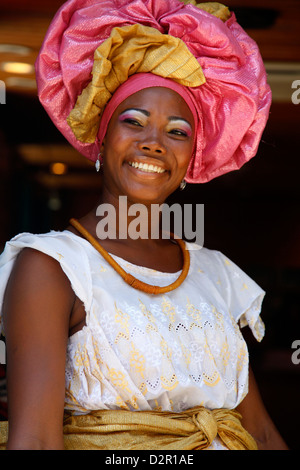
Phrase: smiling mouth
pixel 147 168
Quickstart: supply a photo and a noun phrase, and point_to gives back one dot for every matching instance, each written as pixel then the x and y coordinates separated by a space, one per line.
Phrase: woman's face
pixel 148 146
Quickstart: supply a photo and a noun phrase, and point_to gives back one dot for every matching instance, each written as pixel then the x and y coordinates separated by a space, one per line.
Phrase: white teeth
pixel 147 168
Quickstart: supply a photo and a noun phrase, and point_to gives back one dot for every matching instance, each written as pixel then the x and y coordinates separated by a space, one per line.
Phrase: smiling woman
pixel 154 126
pixel 134 342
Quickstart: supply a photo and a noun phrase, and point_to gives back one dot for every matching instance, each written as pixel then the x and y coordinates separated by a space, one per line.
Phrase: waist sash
pixel 193 429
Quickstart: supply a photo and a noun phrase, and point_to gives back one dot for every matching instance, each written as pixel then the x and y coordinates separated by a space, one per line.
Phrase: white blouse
pixel 141 351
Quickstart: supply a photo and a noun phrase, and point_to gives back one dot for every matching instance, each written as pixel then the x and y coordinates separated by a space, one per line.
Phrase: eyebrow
pixel 143 111
pixel 146 113
pixel 177 118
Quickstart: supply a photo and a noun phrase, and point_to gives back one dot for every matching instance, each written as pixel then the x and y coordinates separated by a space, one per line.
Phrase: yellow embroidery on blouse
pixel 123 319
pixel 137 360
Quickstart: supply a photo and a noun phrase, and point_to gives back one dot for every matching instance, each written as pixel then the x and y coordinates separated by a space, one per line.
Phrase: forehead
pixel 158 99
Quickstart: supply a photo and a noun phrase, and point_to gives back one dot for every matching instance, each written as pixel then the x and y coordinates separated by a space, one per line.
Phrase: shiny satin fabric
pixel 233 102
pixel 130 50
pixel 194 429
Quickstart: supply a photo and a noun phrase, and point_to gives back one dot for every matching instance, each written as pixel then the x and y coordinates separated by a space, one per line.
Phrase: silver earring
pixel 98 163
pixel 182 185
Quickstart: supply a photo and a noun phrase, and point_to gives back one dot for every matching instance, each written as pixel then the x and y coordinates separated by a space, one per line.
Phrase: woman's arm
pixel 257 421
pixel 36 310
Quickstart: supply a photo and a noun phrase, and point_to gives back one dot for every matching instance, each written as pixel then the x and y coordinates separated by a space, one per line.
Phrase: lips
pixel 147 168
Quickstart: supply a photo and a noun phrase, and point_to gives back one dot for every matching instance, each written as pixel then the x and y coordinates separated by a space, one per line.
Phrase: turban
pixel 92 47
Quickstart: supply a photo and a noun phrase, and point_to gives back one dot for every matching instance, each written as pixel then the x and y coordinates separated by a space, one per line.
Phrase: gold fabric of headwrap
pixel 194 429
pixel 214 8
pixel 129 50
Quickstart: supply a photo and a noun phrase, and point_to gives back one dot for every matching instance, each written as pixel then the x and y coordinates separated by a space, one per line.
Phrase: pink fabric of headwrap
pixel 139 82
pixel 233 103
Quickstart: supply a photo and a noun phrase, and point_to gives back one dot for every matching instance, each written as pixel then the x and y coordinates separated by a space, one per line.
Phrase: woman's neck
pixel 133 232
pixel 118 218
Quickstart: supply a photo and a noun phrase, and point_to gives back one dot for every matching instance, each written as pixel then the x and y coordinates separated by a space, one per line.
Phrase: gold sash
pixel 194 429
pixel 3 434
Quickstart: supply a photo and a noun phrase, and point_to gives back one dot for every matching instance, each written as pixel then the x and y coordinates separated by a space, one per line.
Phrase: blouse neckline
pixel 127 264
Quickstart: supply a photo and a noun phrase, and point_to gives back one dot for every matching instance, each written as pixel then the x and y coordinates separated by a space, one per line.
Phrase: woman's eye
pixel 178 132
pixel 134 122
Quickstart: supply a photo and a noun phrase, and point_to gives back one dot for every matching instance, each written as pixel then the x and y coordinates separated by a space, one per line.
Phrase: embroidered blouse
pixel 141 351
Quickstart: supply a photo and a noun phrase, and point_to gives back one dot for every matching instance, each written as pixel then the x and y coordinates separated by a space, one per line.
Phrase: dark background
pixel 251 215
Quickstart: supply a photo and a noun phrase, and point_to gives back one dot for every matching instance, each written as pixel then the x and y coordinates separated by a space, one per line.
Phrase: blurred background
pixel 253 215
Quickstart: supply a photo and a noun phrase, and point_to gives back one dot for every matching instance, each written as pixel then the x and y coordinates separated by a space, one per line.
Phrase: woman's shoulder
pixel 242 295
pixel 53 255
pixel 36 272
pixel 58 245
pixel 208 257
pixel 51 238
pixel 220 268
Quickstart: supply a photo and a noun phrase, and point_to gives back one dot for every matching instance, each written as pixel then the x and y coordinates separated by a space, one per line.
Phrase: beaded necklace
pixel 128 278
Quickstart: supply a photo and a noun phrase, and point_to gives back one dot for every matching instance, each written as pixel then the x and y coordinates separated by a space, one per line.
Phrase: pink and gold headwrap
pixel 93 46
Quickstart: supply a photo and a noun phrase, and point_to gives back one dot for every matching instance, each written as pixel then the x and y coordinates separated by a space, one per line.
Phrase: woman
pixel 139 349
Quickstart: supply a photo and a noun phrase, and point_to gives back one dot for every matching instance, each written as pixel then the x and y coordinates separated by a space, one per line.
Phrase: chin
pixel 148 196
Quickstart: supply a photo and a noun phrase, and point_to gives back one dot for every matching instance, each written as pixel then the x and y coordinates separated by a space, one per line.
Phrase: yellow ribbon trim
pixel 129 50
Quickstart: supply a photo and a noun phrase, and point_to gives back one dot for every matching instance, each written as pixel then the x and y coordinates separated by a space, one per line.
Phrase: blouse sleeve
pixel 242 295
pixel 66 251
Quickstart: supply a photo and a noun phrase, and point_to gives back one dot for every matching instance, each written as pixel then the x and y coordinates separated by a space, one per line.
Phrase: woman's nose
pixel 152 143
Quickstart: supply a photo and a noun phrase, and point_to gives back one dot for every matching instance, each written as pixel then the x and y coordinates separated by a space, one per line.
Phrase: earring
pixel 182 185
pixel 98 163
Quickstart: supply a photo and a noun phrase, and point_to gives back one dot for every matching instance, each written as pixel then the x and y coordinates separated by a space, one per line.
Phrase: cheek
pixel 113 143
pixel 117 140
pixel 184 155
